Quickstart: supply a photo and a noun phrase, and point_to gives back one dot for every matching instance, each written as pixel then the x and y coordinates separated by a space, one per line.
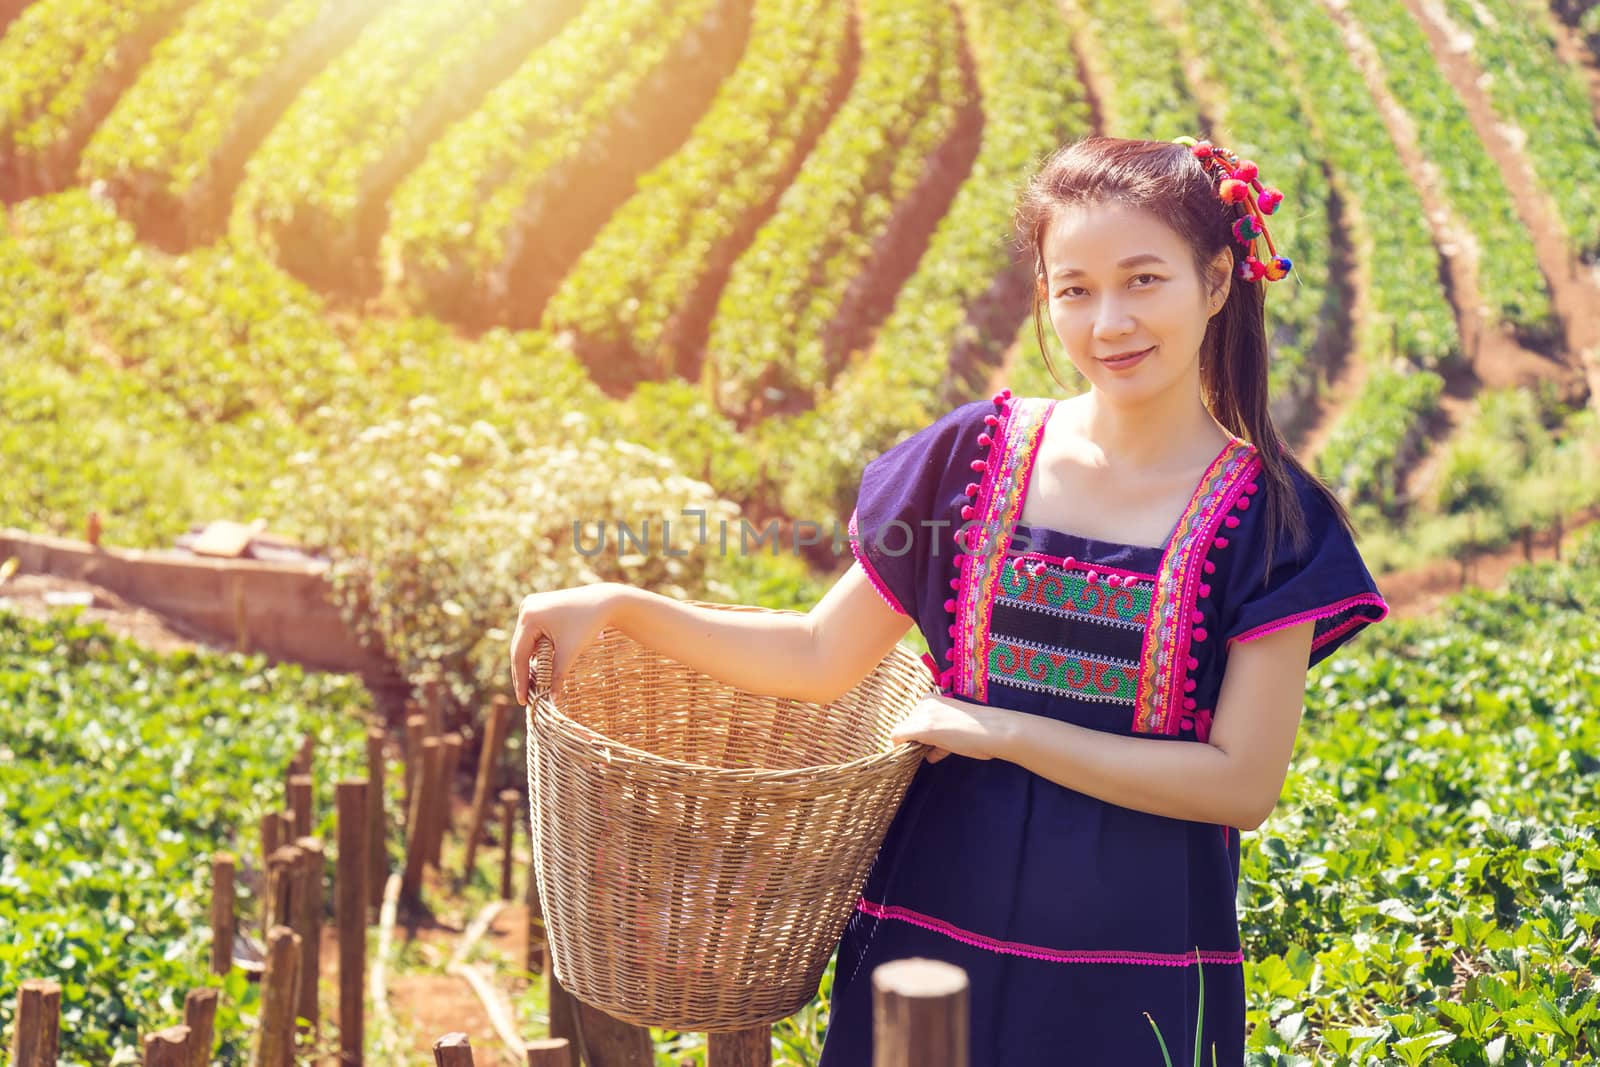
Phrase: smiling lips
pixel 1127 359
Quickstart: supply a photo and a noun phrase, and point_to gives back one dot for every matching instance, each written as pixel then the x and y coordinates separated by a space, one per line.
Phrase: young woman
pixel 1122 593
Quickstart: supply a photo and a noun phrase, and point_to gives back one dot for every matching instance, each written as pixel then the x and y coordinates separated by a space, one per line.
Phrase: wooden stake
pixel 222 912
pixel 200 1016
pixel 452 1050
pixel 416 732
pixel 509 800
pixel 549 1052
pixel 494 735
pixel 740 1048
pixel 36 1040
pixel 167 1048
pixel 920 1014
pixel 278 900
pixel 433 704
pixel 563 1014
pixel 270 839
pixel 447 781
pixel 534 952
pixel 422 799
pixel 279 990
pixel 307 915
pixel 300 804
pixel 377 850
pixel 350 889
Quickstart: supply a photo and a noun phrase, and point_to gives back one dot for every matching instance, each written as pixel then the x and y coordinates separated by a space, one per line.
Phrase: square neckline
pixel 1083 539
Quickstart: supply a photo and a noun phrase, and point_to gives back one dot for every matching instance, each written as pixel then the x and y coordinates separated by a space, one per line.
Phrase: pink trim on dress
pixel 1039 952
pixel 872 575
pixel 1320 613
pixel 1080 565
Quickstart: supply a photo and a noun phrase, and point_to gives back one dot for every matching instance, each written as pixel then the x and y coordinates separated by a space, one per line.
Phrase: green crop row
pixel 629 294
pixel 162 136
pixel 458 221
pixel 54 62
pixel 1379 191
pixel 1389 230
pixel 1536 93
pixel 165 390
pixel 1032 99
pixel 785 323
pixel 1509 276
pixel 315 189
pixel 1426 891
pixel 1271 129
pixel 121 772
pixel 1142 90
pixel 1378 433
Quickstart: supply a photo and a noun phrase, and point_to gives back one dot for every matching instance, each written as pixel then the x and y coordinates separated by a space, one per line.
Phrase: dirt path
pixel 1574 288
pixel 1421 590
pixel 1492 358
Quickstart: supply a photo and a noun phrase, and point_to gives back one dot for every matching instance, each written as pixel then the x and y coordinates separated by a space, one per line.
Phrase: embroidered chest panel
pixel 1072 631
pixel 1117 637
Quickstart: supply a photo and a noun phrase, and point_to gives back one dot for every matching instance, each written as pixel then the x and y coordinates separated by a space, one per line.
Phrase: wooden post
pixel 416 733
pixel 919 1014
pixel 422 798
pixel 447 781
pixel 307 916
pixel 548 1052
pixel 300 804
pixel 452 1050
pixel 433 704
pixel 377 852
pixel 494 736
pixel 740 1048
pixel 277 905
pixel 200 1015
pixel 602 1039
pixel 279 990
pixel 1527 543
pixel 350 905
pixel 509 799
pixel 36 1040
pixel 222 916
pixel 167 1048
pixel 286 833
pixel 1559 533
pixel 270 838
pixel 563 1014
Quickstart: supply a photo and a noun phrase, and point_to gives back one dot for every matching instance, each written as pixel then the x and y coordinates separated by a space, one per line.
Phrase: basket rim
pixel 904 751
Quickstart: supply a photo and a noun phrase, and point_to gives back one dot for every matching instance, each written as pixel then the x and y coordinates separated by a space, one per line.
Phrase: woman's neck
pixel 1169 429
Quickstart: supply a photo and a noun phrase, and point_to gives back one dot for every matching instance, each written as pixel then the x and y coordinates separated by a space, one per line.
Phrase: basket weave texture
pixel 699 848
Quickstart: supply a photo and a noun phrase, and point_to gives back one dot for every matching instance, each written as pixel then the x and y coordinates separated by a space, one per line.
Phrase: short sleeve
pixel 1326 581
pixel 901 530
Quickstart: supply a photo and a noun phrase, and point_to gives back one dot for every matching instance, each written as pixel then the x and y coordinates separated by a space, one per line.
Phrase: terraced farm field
pixel 418 281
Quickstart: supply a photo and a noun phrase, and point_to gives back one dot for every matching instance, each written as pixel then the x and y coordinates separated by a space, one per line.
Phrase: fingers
pixel 523 642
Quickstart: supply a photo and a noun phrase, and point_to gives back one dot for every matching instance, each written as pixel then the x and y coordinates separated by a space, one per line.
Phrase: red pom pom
pixel 985 440
pixel 949 605
pixel 1268 200
pixel 1245 172
pixel 1233 191
pixel 1202 150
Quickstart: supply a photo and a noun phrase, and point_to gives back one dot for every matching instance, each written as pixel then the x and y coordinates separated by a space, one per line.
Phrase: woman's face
pixel 1120 281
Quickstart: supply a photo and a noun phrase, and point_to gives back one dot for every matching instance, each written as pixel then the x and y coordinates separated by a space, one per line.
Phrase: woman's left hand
pixel 973 730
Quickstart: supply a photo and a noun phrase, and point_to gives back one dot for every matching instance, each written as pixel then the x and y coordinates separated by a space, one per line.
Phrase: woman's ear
pixel 1219 279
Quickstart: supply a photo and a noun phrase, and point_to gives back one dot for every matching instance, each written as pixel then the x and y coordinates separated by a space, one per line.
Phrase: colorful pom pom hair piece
pixel 1238 184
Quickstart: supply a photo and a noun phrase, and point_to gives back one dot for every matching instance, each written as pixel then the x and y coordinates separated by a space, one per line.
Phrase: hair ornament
pixel 1236 178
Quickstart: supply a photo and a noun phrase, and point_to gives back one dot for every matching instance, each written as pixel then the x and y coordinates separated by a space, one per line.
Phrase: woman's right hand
pixel 570 618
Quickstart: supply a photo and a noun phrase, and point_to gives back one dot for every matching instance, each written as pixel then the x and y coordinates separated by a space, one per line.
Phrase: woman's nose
pixel 1112 319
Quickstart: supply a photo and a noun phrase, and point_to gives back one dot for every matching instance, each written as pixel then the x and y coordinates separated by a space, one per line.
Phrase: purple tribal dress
pixel 1072 917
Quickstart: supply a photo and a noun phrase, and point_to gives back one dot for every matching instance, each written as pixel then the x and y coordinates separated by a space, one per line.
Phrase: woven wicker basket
pixel 698 848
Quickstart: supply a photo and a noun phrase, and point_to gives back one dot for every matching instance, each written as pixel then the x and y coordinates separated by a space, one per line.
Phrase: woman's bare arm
pixel 815 657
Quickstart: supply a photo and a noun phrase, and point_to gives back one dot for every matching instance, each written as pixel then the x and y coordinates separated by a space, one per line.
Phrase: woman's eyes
pixel 1071 289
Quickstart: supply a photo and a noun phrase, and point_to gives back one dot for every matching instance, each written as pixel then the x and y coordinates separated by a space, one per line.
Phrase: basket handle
pixel 540 667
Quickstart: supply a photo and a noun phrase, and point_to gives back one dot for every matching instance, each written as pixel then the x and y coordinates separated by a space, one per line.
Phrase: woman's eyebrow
pixel 1132 261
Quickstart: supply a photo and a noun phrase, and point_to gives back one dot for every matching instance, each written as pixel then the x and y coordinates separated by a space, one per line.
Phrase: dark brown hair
pixel 1166 180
